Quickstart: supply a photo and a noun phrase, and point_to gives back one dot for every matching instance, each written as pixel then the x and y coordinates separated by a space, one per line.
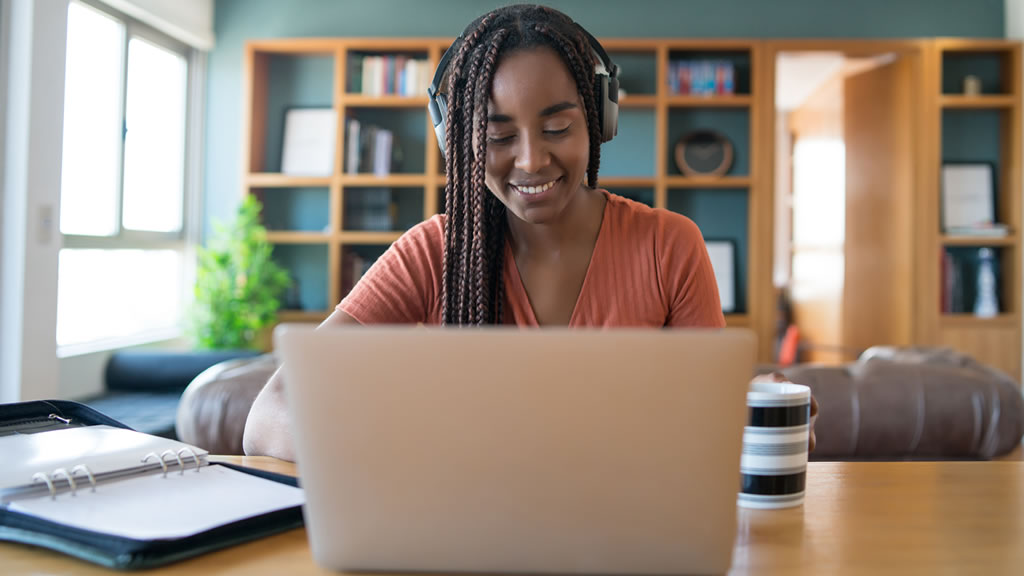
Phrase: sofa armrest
pixel 215 405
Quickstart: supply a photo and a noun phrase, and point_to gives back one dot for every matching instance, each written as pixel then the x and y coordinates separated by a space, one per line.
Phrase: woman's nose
pixel 533 154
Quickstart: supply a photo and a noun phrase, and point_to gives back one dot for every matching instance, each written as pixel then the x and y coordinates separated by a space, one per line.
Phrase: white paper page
pixel 154 507
pixel 101 448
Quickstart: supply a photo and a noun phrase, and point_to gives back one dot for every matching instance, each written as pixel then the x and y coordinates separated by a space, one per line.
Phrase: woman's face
pixel 538 145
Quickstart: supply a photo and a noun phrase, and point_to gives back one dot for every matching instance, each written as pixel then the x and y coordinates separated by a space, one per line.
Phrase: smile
pixel 535 189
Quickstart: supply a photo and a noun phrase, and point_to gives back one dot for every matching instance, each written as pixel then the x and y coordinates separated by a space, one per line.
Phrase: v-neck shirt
pixel 649 268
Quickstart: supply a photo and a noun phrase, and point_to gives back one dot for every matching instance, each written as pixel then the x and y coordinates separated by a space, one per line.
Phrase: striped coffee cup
pixel 773 467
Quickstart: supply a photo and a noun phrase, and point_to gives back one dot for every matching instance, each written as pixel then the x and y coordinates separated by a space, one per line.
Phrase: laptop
pixel 518 451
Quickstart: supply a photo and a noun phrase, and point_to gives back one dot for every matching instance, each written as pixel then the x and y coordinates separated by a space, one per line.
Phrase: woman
pixel 527 238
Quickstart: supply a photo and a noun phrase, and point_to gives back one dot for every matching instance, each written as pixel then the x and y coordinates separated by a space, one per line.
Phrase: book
pixel 94 489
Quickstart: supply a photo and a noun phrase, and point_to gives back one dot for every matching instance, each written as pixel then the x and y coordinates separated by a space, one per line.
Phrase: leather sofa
pixel 891 404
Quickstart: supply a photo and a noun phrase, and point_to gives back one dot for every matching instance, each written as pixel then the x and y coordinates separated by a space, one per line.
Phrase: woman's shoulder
pixel 640 219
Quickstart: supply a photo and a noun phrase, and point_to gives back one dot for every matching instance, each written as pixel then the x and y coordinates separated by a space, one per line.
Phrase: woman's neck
pixel 579 223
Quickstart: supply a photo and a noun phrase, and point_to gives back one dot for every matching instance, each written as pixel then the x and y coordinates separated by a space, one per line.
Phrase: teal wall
pixel 238 20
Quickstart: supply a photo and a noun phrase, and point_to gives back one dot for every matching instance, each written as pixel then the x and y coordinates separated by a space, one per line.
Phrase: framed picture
pixel 723 261
pixel 968 196
pixel 309 136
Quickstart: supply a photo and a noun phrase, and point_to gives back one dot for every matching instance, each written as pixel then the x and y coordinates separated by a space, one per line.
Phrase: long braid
pixel 481 195
pixel 457 167
pixel 473 290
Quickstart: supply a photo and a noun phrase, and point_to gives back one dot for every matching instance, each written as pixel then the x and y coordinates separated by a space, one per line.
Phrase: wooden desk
pixel 858 518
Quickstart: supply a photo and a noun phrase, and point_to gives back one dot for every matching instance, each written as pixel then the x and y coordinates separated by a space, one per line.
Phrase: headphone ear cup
pixel 608 106
pixel 440 127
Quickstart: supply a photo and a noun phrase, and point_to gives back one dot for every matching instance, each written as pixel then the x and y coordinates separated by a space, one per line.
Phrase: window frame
pixel 187 238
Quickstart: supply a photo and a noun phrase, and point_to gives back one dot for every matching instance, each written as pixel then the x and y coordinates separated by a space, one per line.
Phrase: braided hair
pixel 473 290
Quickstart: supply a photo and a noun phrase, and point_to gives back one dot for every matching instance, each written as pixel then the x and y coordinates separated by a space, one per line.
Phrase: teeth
pixel 535 189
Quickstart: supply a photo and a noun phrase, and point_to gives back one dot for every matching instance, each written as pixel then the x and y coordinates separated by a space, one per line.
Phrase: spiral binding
pixel 53 479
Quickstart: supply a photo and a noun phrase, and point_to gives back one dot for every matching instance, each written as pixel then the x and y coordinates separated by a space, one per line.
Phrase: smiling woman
pixel 522 102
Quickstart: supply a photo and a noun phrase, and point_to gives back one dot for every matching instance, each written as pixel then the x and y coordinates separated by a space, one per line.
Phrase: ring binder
pixel 181 465
pixel 71 481
pixel 49 483
pixel 195 458
pixel 88 473
pixel 42 458
pixel 162 463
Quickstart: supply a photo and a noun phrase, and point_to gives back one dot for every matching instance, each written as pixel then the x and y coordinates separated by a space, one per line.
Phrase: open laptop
pixel 522 451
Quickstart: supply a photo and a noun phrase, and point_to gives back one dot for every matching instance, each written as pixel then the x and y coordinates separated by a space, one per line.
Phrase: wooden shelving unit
pixel 975 128
pixel 651 119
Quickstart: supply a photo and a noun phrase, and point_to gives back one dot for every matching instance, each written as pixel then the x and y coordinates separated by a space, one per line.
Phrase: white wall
pixel 31 198
pixel 190 21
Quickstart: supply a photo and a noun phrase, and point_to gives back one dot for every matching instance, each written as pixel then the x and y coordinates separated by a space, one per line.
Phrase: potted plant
pixel 238 285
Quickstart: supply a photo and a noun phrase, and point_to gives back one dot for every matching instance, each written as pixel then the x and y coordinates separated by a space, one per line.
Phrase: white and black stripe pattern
pixel 773 466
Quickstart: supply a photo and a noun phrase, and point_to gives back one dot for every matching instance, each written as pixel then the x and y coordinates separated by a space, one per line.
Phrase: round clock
pixel 703 153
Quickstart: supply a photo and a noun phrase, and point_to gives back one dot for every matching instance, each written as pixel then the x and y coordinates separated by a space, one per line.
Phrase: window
pixel 122 267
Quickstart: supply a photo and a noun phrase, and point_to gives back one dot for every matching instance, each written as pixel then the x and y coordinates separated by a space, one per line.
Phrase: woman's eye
pixel 499 139
pixel 557 131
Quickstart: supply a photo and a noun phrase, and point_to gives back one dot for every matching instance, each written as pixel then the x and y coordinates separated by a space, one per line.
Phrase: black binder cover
pixel 116 551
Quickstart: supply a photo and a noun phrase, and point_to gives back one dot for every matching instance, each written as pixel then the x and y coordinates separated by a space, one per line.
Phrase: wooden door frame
pixel 922 132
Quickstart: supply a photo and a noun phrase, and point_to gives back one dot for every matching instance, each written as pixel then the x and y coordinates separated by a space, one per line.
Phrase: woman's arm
pixel 267 430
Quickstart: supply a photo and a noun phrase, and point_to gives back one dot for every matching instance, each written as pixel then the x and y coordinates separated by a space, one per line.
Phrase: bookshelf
pixel 311 221
pixel 983 128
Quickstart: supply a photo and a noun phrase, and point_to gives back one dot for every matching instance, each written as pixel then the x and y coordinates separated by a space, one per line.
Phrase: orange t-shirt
pixel 649 268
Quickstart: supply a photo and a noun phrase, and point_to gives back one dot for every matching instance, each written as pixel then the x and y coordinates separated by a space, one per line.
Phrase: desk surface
pixel 858 518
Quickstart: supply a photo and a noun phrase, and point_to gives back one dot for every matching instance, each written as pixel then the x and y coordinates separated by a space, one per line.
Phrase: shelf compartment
pixel 721 214
pixel 991 67
pixel 408 127
pixel 740 60
pixel 733 123
pixel 632 156
pixel 389 75
pixel 958 279
pixel 638 72
pixel 306 263
pixel 295 210
pixel 382 209
pixel 286 81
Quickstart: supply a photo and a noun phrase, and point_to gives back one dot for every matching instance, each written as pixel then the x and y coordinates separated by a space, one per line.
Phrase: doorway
pixel 843 172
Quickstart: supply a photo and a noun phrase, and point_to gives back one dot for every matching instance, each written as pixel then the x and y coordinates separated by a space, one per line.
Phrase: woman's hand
pixel 780 377
pixel 814 416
